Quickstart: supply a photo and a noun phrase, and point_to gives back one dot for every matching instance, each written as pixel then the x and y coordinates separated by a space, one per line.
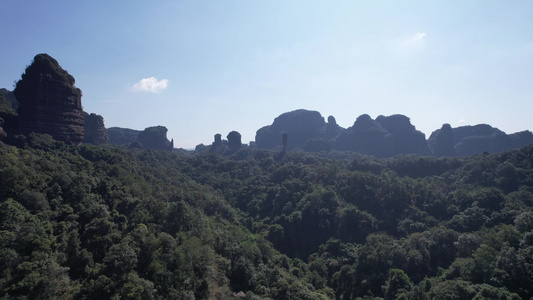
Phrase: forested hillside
pixel 89 222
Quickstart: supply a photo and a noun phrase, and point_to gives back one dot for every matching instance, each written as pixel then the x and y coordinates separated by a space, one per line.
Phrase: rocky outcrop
pixel 155 138
pixel 405 138
pixel 299 125
pixel 234 141
pixel 383 137
pixel 471 140
pixel 443 143
pixel 366 136
pixel 150 138
pixel 122 136
pixel 386 136
pixel 218 141
pixel 49 102
pixel 95 131
pixel 332 129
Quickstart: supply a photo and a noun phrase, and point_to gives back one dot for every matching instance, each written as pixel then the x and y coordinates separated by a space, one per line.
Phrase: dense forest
pixel 109 222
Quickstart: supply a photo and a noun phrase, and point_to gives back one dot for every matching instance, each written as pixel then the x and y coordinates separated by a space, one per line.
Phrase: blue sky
pixel 206 67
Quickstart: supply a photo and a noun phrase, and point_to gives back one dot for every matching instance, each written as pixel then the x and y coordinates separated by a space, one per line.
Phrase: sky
pixel 205 67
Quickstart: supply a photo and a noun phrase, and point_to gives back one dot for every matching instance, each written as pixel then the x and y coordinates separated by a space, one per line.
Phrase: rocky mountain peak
pixel 49 102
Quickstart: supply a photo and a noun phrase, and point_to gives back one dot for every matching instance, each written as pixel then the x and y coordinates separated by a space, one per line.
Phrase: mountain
pixel 150 138
pixel 122 136
pixel 470 140
pixel 94 129
pixel 49 102
pixel 46 100
pixel 299 125
pixel 383 137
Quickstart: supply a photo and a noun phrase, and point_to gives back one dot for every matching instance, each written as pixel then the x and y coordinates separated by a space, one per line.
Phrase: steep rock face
pixel 405 138
pixel 299 125
pixel 122 136
pixel 443 143
pixel 383 137
pixel 155 138
pixel 471 140
pixel 95 131
pixel 49 102
pixel 234 141
pixel 218 140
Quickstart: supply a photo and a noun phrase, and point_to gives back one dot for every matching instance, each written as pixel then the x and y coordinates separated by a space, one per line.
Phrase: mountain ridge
pixel 46 101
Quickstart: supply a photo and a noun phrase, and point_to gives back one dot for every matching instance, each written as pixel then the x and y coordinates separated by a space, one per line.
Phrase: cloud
pixel 413 42
pixel 151 85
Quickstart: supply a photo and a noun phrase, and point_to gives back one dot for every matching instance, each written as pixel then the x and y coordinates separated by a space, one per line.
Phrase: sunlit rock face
pixel 49 102
pixel 95 131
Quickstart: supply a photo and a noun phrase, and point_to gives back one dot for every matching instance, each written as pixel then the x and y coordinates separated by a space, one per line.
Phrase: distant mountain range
pixel 46 101
pixel 386 136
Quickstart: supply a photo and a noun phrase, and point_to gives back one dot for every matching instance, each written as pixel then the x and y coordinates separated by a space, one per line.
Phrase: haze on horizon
pixel 201 68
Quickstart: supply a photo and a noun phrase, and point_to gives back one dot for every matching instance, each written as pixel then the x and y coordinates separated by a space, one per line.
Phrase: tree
pixel 398 285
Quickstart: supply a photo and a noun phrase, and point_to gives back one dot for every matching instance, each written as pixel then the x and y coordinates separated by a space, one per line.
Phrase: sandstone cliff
pixel 49 102
pixel 94 128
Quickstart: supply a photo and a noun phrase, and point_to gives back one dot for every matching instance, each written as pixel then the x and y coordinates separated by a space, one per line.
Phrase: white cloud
pixel 151 85
pixel 413 42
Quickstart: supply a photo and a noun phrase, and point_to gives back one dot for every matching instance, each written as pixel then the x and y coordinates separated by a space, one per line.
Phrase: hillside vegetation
pixel 105 222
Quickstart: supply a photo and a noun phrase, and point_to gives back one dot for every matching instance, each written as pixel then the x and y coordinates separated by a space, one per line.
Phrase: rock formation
pixel 218 140
pixel 471 140
pixel 332 129
pixel 384 137
pixel 234 141
pixel 299 125
pixel 155 138
pixel 366 136
pixel 404 137
pixel 49 102
pixel 95 131
pixel 443 144
pixel 122 136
